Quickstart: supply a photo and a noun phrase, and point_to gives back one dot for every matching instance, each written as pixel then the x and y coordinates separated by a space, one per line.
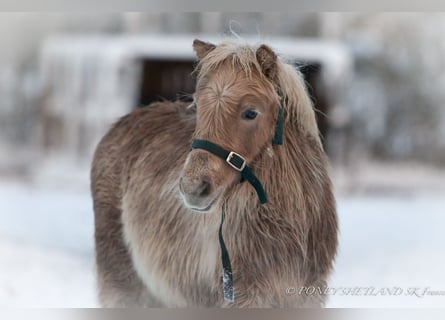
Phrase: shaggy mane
pixel 296 102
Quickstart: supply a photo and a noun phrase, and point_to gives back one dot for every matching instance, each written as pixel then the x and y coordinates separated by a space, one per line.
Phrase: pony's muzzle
pixel 196 192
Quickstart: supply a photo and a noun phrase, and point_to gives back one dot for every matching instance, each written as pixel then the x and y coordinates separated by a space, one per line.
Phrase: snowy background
pixel 386 241
pixel 386 146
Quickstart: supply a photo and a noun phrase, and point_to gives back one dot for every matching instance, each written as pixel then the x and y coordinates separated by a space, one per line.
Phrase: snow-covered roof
pixel 333 56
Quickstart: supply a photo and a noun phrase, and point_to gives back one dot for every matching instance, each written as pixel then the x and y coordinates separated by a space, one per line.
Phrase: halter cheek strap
pixel 278 137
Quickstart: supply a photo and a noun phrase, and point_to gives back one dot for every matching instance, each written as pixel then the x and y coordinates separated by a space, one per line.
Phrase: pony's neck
pixel 292 181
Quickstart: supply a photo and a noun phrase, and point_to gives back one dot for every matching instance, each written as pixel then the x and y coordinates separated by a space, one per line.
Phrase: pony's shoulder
pixel 157 112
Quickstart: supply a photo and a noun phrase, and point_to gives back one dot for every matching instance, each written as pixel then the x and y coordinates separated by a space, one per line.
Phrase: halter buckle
pixel 233 159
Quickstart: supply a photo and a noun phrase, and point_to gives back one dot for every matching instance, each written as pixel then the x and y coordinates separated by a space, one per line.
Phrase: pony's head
pixel 237 106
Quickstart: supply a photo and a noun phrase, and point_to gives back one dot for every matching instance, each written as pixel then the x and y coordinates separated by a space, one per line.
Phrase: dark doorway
pixel 166 80
pixel 312 76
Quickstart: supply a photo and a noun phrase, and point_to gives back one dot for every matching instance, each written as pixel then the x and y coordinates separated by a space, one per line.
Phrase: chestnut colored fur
pixel 153 250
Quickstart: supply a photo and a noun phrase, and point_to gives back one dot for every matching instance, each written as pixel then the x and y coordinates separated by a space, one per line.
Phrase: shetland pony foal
pixel 158 203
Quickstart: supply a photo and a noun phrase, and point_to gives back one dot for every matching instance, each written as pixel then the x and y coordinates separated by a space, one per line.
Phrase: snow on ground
pixel 53 217
pixel 35 276
pixel 46 248
pixel 387 243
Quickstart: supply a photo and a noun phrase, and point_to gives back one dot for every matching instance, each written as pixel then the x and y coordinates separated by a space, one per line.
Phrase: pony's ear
pixel 202 48
pixel 268 61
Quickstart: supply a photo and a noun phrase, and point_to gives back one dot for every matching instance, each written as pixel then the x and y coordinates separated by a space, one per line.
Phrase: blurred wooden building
pixel 90 81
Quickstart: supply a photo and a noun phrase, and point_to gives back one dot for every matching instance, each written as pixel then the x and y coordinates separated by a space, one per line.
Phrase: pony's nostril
pixel 203 188
pixel 197 188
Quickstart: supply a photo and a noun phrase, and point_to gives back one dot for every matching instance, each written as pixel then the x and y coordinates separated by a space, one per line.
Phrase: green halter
pixel 237 162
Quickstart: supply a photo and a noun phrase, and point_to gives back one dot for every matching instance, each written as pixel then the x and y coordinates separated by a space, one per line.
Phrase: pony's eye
pixel 249 114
